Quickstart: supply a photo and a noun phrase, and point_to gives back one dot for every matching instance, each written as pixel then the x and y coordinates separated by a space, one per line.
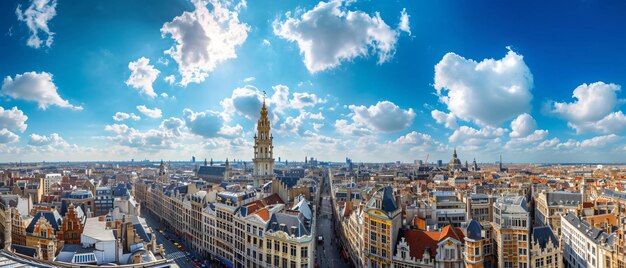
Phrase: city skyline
pixel 119 81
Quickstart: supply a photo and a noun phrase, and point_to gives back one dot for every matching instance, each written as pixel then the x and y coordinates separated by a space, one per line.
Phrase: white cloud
pixel 385 116
pixel 7 136
pixel 294 125
pixel 148 140
pixel 529 141
pixel 120 116
pixel 37 87
pixel 266 42
pixel 330 33
pixel 598 142
pixel 415 142
pixel 487 93
pixel 522 126
pixel 209 124
pixel 37 16
pixel 173 126
pixel 446 119
pixel 54 140
pixel 13 119
pixel 249 79
pixel 344 128
pixel 164 95
pixel 142 76
pixel 593 109
pixel 301 100
pixel 246 101
pixel 471 136
pixel 117 128
pixel 403 25
pixel 280 98
pixel 152 113
pixel 170 79
pixel 204 38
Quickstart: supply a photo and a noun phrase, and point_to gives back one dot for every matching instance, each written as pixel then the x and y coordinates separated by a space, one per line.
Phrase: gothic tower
pixel 263 150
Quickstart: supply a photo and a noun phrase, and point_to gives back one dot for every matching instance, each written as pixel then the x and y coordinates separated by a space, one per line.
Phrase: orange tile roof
pixel 418 240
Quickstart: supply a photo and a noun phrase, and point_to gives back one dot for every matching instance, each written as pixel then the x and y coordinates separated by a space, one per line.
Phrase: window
pixel 373 250
pixel 373 236
pixel 304 252
pixel 269 244
pixel 383 239
pixel 450 253
pixel 285 250
pixel 293 250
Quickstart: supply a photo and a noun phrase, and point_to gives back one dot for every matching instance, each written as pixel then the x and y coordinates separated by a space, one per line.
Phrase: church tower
pixel 263 150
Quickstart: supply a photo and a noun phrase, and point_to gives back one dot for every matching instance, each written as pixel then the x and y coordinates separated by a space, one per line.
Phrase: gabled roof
pixel 542 234
pixel 420 241
pixel 289 220
pixel 53 217
pixel 474 230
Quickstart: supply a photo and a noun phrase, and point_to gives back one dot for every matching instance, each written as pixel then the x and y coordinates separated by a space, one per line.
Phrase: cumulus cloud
pixel 606 141
pixel 209 124
pixel 164 137
pixel 7 136
pixel 385 116
pixel 170 79
pixel 416 142
pixel 531 141
pixel 593 110
pixel 294 125
pixel 37 16
pixel 446 119
pixel 304 99
pixel 36 87
pixel 13 119
pixel 329 34
pixel 173 125
pixel 249 79
pixel 522 126
pixel 344 128
pixel 487 93
pixel 152 113
pixel 471 136
pixel 54 140
pixel 204 38
pixel 403 25
pixel 142 76
pixel 120 116
pixel 246 101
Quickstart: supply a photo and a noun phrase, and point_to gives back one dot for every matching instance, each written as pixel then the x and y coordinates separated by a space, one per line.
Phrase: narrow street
pixel 171 251
pixel 327 254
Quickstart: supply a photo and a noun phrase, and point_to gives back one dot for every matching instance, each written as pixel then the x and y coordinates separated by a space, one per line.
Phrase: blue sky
pixel 369 80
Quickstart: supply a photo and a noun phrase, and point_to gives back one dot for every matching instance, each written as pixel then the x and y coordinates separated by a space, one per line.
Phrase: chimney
pixel 399 200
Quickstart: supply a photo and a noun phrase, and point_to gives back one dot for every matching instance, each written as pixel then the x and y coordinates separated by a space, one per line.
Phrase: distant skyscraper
pixel 439 163
pixel 193 159
pixel 263 150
